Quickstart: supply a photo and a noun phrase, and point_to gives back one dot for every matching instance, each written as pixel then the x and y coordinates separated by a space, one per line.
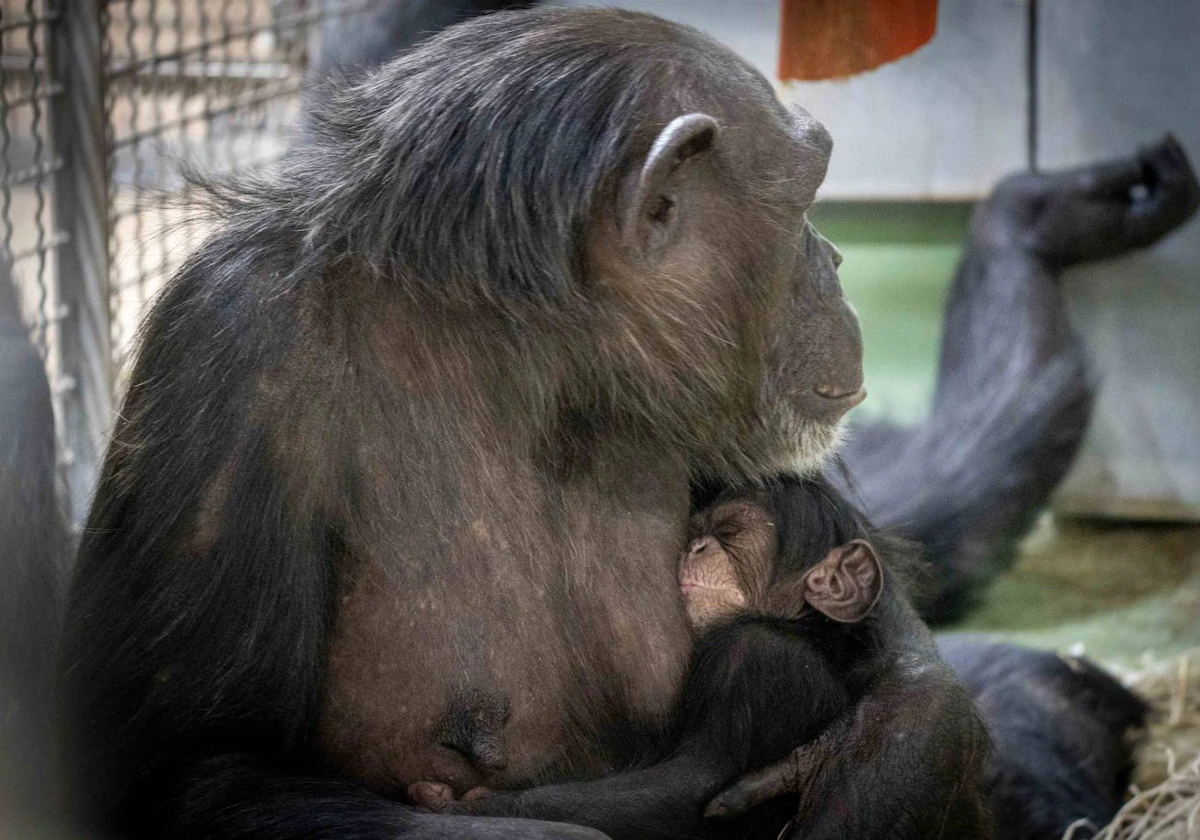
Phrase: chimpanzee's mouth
pixel 847 398
pixel 693 587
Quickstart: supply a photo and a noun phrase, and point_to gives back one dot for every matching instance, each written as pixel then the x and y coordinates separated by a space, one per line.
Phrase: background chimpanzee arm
pixel 1012 399
pixel 33 548
pixel 907 762
pixel 353 44
pixel 1046 713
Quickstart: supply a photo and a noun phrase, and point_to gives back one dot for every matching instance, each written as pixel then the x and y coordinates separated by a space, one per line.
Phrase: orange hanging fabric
pixel 827 39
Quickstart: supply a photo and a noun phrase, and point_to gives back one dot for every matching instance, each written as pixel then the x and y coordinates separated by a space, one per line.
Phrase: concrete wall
pixel 1115 74
pixel 943 123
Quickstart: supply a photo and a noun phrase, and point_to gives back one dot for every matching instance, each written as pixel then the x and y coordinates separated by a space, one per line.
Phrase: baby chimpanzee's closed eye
pixel 732 566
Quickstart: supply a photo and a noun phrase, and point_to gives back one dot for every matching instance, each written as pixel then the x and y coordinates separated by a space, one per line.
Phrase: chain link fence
pixel 102 102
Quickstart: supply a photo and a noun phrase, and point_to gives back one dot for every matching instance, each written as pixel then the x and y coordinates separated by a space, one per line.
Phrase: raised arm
pixel 1012 400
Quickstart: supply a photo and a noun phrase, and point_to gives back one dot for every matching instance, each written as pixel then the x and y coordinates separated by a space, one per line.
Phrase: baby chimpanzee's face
pixel 728 562
pixel 730 566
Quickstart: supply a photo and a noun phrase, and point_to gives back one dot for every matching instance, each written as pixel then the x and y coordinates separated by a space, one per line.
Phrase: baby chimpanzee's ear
pixel 847 583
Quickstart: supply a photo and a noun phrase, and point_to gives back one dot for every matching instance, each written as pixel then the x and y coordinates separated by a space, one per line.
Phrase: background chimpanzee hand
pixel 1094 212
pixel 905 762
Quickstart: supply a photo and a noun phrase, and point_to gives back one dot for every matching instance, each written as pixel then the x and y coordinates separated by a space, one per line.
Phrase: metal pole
pixel 74 54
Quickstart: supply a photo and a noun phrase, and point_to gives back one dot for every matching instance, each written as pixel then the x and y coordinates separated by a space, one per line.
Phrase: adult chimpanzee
pixel 967 482
pixel 793 608
pixel 424 417
pixel 33 547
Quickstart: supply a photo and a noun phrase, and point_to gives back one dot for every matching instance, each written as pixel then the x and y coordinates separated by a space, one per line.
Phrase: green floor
pixel 1124 592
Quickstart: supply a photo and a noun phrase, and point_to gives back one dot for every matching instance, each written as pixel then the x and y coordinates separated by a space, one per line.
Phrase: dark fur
pixel 1062 727
pixel 357 43
pixel 405 295
pixel 236 489
pixel 505 213
pixel 758 685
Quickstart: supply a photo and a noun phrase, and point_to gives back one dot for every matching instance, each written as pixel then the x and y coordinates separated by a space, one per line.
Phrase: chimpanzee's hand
pixel 1094 212
pixel 905 763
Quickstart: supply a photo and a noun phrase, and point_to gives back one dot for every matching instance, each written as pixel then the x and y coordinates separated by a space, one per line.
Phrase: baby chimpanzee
pixel 783 588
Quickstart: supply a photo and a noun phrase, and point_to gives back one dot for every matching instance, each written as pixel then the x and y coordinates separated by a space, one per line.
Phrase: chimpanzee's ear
pixel 847 583
pixel 651 213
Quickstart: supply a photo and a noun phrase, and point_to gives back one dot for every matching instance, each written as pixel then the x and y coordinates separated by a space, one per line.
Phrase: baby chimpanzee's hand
pixel 904 762
pixel 437 796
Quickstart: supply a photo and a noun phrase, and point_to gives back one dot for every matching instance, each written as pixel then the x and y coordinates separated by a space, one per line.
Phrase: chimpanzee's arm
pixel 662 802
pixel 1010 412
pixel 238 797
pixel 906 763
pixel 1012 399
pixel 757 688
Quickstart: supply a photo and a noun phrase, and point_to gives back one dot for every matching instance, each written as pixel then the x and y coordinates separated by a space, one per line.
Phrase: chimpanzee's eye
pixel 726 531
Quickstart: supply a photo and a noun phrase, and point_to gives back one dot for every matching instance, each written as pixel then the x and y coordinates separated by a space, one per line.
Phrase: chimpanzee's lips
pixel 845 398
pixel 693 587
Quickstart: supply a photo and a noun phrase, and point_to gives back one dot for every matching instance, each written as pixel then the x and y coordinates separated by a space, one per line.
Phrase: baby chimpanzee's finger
pixel 476 793
pixel 753 790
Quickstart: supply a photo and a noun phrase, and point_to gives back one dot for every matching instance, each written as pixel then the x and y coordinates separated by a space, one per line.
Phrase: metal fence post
pixel 75 56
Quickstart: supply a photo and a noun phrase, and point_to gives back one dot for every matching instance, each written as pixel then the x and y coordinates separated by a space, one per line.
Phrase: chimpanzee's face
pixel 725 302
pixel 728 562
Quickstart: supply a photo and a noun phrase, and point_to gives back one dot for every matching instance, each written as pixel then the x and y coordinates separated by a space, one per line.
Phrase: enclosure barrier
pixel 101 105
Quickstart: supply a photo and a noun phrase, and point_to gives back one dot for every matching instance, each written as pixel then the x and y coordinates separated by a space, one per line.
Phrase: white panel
pixel 1116 74
pixel 749 27
pixel 945 122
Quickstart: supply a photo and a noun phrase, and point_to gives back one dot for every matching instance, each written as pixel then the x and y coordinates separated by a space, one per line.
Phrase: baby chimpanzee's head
pixel 739 561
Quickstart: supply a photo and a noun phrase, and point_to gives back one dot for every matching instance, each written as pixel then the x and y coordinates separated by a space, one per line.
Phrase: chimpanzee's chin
pixel 815 444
